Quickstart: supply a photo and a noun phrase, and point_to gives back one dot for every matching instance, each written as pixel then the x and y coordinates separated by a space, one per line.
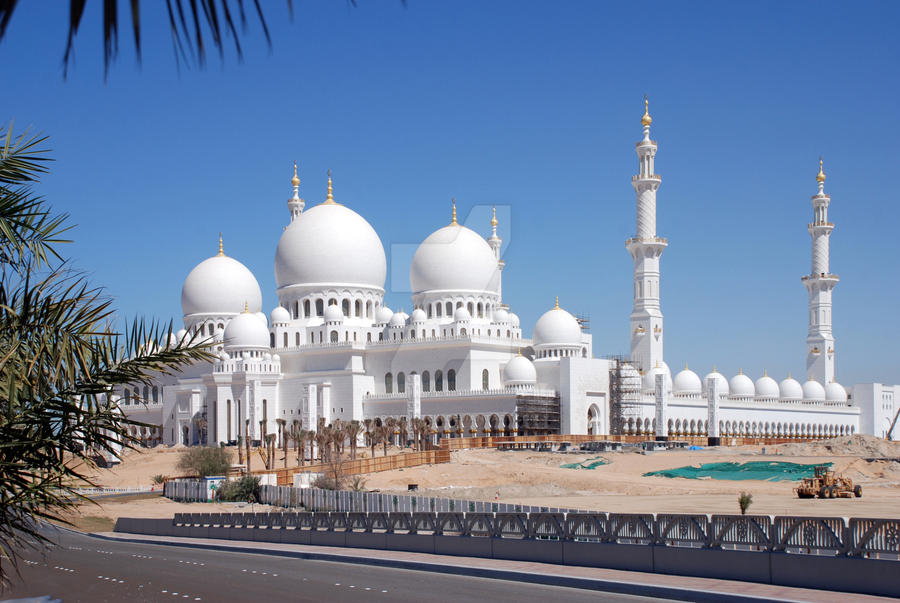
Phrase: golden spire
pixel 221 247
pixel 765 373
pixel 740 371
pixel 519 353
pixel 246 307
pixel 789 374
pixel 714 369
pixel 453 216
pixel 646 120
pixel 686 366
pixel 329 199
pixel 820 177
pixel 494 217
pixel 295 181
pixel 556 306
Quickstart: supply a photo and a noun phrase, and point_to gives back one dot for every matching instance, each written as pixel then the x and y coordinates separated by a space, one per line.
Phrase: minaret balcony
pixel 649 178
pixel 645 143
pixel 635 241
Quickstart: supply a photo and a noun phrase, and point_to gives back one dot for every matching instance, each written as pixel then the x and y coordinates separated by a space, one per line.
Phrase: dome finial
pixel 519 352
pixel 686 366
pixel 246 307
pixel 295 181
pixel 556 305
pixel 820 177
pixel 329 198
pixel 765 372
pixel 646 120
pixel 221 246
pixel 494 218
pixel 453 216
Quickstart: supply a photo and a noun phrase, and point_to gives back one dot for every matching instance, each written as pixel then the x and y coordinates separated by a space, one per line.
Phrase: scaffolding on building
pixel 537 415
pixel 624 393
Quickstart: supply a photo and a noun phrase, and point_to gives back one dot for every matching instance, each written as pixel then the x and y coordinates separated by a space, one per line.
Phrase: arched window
pixel 285 340
pixel 369 337
pixel 412 334
pixel 449 311
pixel 480 310
pixel 368 309
pixel 201 330
pixel 271 340
pixel 127 396
pixel 401 383
pixel 437 309
pixel 462 331
pixel 312 337
pixel 485 379
pixel 426 381
pixel 297 338
pixel 433 333
pixel 438 381
pixel 306 308
pixel 388 384
pixel 451 380
pixel 155 394
pixel 296 310
pixel 320 307
pixel 334 337
pixel 321 336
pixel 358 308
pixel 429 310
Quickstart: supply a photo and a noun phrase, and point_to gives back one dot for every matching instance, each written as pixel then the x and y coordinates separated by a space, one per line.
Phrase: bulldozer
pixel 825 484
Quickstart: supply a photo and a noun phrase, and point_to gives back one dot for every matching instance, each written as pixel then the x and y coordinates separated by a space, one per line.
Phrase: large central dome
pixel 330 244
pixel 454 258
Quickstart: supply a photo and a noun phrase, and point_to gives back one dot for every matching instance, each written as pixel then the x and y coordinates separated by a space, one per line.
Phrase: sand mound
pixel 865 446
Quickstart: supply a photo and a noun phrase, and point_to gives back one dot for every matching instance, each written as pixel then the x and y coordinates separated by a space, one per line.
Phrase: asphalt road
pixel 81 568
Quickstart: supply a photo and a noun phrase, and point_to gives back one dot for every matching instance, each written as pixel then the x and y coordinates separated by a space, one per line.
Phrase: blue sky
pixel 534 107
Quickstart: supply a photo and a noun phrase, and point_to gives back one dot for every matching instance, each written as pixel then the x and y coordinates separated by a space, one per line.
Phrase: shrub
pixel 744 502
pixel 159 478
pixel 204 461
pixel 245 489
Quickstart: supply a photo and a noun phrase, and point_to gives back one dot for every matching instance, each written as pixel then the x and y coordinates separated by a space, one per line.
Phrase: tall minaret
pixel 645 248
pixel 819 283
pixel 295 203
pixel 496 242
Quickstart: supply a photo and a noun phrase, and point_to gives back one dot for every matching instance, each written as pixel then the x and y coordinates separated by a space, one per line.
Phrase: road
pixel 82 568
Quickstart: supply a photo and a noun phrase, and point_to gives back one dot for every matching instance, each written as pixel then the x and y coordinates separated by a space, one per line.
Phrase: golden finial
pixel 556 306
pixel 295 181
pixel 494 217
pixel 453 216
pixel 519 353
pixel 740 371
pixel 765 373
pixel 820 177
pixel 715 370
pixel 221 247
pixel 329 199
pixel 789 374
pixel 646 120
pixel 246 307
pixel 686 366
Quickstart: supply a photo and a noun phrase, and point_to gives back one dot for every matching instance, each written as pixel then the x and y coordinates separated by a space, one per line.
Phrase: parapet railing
pixel 826 536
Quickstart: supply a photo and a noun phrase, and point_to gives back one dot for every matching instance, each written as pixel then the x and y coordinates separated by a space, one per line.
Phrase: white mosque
pixel 332 350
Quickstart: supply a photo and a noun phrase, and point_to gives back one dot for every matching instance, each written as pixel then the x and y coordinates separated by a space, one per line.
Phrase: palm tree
pixel 63 361
pixel 353 429
pixel 322 440
pixel 403 433
pixel 282 433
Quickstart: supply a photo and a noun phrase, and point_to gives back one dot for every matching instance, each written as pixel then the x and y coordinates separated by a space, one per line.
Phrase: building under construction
pixel 624 393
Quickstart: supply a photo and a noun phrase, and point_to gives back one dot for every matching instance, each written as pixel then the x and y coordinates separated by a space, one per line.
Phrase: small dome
pixel 454 258
pixel 519 371
pixel 262 318
pixel 461 315
pixel 418 316
pixel 650 377
pixel 181 335
pixel 557 327
pixel 223 356
pixel 280 315
pixel 813 391
pixel 501 316
pixel 766 387
pixel 383 315
pixel 790 389
pixel 276 358
pixel 398 319
pixel 333 313
pixel 687 382
pixel 721 382
pixel 245 331
pixel 514 320
pixel 741 386
pixel 220 285
pixel 835 392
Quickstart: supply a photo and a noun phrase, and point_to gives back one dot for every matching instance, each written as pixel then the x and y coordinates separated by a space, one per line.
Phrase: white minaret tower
pixel 646 248
pixel 495 242
pixel 295 203
pixel 819 283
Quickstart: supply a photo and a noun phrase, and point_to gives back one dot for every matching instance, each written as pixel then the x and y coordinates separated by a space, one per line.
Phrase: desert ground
pixel 538 479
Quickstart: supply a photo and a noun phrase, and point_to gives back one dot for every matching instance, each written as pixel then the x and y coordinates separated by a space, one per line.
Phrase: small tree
pixel 245 489
pixel 744 502
pixel 204 461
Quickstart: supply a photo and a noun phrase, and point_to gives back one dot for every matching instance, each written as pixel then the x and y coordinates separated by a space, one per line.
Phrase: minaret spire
pixel 819 285
pixel 295 203
pixel 496 242
pixel 645 249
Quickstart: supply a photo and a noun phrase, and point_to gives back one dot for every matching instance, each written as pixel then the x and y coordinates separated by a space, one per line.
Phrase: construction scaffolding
pixel 537 415
pixel 624 393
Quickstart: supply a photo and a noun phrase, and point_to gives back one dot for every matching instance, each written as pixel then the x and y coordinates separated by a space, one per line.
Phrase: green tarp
pixel 771 471
pixel 587 464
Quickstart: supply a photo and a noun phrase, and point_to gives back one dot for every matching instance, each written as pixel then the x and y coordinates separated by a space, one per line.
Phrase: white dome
pixel 331 244
pixel 687 382
pixel 766 387
pixel 741 386
pixel 721 383
pixel 398 319
pixel 333 313
pixel 383 315
pixel 650 377
pixel 245 331
pixel 557 327
pixel 835 392
pixel 454 258
pixel 514 320
pixel 790 389
pixel 280 315
pixel 813 391
pixel 418 315
pixel 461 315
pixel 181 335
pixel 262 318
pixel 220 285
pixel 519 371
pixel 501 316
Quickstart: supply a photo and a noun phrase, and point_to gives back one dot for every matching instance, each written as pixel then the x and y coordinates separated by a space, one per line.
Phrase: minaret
pixel 819 283
pixel 295 203
pixel 646 248
pixel 495 242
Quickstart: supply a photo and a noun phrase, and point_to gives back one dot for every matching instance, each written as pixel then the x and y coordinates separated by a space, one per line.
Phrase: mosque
pixel 332 350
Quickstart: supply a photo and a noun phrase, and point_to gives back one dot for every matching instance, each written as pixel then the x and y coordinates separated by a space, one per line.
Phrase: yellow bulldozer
pixel 825 484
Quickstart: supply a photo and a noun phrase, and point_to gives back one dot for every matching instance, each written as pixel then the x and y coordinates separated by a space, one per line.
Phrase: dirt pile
pixel 865 446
